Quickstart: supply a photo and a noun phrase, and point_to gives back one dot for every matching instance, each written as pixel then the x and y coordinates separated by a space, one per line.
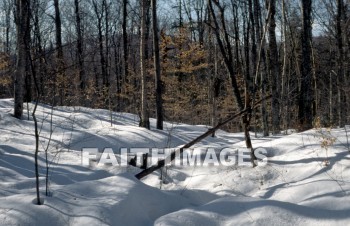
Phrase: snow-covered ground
pixel 302 184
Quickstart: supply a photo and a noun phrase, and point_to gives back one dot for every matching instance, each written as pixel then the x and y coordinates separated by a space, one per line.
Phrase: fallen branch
pixel 172 156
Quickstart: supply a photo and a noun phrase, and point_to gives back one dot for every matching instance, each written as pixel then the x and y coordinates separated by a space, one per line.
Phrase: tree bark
pixel 99 16
pixel 144 119
pixel 261 74
pixel 60 69
pixel 274 67
pixel 158 81
pixel 80 56
pixel 340 64
pixel 8 18
pixel 284 65
pixel 37 43
pixel 125 39
pixel 22 19
pixel 306 90
pixel 105 8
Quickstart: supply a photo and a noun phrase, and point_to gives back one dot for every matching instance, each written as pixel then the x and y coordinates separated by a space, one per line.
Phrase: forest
pixel 190 61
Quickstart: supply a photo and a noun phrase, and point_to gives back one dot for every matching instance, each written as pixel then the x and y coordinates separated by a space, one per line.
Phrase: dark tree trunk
pixel 158 81
pixel 28 83
pixel 306 91
pixel 340 64
pixel 80 56
pixel 261 74
pixel 118 69
pixel 125 40
pixel 8 28
pixel 99 16
pixel 42 69
pixel 60 68
pixel 58 25
pixel 105 8
pixel 144 119
pixel 274 68
pixel 22 19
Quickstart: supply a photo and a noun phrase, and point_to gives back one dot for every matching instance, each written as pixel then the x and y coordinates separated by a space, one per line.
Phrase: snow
pixel 302 184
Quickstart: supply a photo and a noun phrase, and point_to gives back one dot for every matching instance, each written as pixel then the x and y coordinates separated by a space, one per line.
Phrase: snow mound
pixel 116 200
pixel 252 211
pixel 302 184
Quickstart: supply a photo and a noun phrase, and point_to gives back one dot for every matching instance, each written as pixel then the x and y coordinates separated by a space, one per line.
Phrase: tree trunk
pixel 274 68
pixel 340 64
pixel 118 69
pixel 144 119
pixel 284 65
pixel 125 39
pixel 306 90
pixel 8 11
pixel 23 33
pixel 37 43
pixel 80 56
pixel 158 81
pixel 60 69
pixel 105 8
pixel 99 17
pixel 28 83
pixel 261 60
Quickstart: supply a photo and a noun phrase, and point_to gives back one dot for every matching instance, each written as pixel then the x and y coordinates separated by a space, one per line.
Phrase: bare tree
pixel 22 19
pixel 274 67
pixel 80 56
pixel 284 62
pixel 125 39
pixel 226 52
pixel 261 60
pixel 158 81
pixel 144 119
pixel 340 63
pixel 100 16
pixel 7 7
pixel 60 74
pixel 306 91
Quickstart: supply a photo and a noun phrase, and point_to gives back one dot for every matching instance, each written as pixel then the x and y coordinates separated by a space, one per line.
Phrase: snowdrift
pixel 302 184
